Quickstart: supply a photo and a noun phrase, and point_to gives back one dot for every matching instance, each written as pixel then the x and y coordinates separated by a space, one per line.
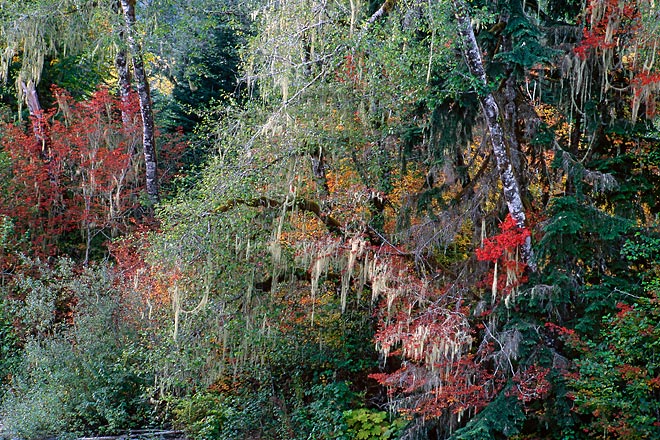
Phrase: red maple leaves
pixel 446 370
pixel 79 183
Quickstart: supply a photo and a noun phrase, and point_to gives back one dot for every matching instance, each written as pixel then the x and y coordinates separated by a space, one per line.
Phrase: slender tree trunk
pixel 39 126
pixel 510 185
pixel 124 81
pixel 142 84
pixel 123 74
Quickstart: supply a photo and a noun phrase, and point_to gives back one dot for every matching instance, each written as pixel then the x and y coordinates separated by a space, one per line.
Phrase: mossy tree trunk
pixel 142 85
pixel 510 185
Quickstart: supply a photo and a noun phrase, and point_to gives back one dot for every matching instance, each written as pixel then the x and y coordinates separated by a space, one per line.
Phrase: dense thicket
pixel 380 220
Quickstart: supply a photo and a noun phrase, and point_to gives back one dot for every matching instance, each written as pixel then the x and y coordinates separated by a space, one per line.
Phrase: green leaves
pixel 642 247
pixel 366 424
pixel 618 381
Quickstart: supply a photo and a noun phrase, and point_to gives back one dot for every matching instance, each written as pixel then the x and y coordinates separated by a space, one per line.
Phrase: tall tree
pixel 123 73
pixel 511 188
pixel 142 84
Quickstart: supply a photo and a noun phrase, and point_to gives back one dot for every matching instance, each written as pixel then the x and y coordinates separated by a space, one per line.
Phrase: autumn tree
pixel 443 209
pixel 58 28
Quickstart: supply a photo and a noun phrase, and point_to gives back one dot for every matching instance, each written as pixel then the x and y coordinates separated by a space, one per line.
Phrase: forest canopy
pixel 302 219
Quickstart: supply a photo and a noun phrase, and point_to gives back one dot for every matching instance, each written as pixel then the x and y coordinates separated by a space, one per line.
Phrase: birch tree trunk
pixel 510 185
pixel 142 85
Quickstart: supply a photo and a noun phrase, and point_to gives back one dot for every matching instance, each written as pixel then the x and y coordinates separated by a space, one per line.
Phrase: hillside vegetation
pixel 302 219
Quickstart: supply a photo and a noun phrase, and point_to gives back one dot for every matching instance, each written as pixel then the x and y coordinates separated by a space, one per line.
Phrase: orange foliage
pixel 342 178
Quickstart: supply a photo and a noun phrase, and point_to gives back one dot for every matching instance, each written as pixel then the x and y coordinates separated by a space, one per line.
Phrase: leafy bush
pixel 8 342
pixel 367 424
pixel 322 416
pixel 321 413
pixel 211 415
pixel 617 387
pixel 202 415
pixel 83 374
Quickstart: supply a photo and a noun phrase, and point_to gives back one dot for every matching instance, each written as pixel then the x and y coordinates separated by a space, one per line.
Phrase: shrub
pixel 83 374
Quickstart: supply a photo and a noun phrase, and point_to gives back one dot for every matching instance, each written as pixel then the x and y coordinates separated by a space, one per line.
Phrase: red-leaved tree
pixel 86 187
pixel 451 360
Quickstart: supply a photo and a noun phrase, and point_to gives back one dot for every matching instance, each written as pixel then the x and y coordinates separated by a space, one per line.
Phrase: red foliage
pixel 615 29
pixel 129 252
pixel 559 330
pixel 503 244
pixel 610 22
pixel 431 331
pixel 624 309
pixel 567 335
pixel 83 180
pixel 452 388
pixel 503 250
pixel 442 374
pixel 138 280
pixel 531 384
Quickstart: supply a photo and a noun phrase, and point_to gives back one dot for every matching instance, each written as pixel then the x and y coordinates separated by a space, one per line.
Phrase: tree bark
pixel 123 74
pixel 384 9
pixel 124 83
pixel 39 126
pixel 142 85
pixel 510 185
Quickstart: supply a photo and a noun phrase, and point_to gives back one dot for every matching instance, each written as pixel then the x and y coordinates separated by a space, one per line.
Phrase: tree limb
pixel 384 9
pixel 330 222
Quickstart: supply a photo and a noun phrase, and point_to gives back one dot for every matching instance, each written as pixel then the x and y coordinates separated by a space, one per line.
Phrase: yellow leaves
pixel 549 114
pixel 350 197
pixel 405 186
pixel 342 178
pixel 162 84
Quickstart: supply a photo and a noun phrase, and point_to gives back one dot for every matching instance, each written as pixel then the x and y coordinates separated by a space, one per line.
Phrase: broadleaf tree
pixel 443 209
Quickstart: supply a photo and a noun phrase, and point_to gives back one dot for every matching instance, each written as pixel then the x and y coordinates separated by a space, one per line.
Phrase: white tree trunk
pixel 510 185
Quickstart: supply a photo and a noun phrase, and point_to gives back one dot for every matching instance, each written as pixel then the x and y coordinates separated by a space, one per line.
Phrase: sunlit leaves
pixel 38 30
pixel 618 384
